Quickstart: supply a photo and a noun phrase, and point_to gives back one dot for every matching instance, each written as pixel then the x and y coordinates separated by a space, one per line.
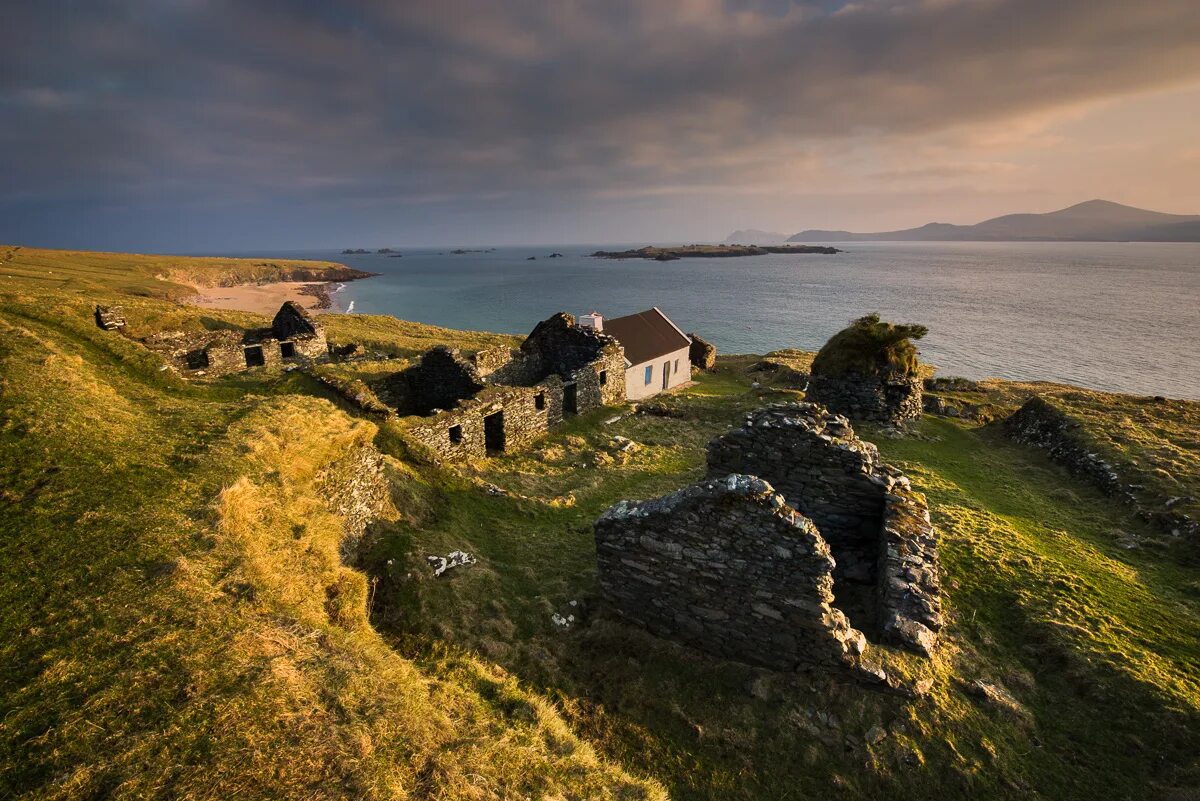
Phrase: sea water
pixel 1116 316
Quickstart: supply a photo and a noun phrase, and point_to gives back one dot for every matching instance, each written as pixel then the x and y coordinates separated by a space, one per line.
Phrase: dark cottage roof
pixel 646 335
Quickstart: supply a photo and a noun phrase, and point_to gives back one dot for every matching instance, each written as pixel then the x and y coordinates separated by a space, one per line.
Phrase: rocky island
pixel 710 251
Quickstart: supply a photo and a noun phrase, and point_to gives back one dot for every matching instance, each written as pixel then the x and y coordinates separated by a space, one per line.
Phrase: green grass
pixel 1154 442
pixel 175 620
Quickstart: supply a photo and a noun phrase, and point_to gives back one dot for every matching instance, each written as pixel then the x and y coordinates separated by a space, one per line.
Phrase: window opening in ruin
pixel 539 401
pixel 197 359
pixel 603 378
pixel 570 399
pixel 254 356
pixel 493 432
pixel 649 374
pixel 287 349
pixel 455 433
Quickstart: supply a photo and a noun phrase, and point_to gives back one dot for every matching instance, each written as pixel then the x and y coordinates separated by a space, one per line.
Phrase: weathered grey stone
pixel 854 528
pixel 561 369
pixel 1041 424
pixel 294 337
pixel 769 604
pixel 702 353
pixel 894 399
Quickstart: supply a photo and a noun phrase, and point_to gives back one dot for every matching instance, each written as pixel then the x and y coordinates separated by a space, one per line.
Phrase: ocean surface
pixel 1121 317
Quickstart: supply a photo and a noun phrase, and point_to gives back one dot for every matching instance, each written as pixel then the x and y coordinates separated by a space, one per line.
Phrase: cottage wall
pixel 636 387
pixel 560 369
pixel 523 421
pixel 827 473
pixel 728 567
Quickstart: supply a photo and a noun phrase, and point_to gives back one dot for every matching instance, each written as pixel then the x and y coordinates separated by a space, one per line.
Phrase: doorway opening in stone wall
pixel 570 399
pixel 197 360
pixel 493 432
pixel 254 356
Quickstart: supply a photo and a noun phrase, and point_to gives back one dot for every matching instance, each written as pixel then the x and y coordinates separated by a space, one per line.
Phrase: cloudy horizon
pixel 203 126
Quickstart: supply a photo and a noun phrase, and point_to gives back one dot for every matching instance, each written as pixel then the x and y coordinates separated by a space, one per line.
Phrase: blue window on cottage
pixel 649 373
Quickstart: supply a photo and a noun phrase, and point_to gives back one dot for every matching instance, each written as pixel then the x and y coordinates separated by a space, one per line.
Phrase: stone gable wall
pixel 728 567
pixel 440 380
pixel 702 353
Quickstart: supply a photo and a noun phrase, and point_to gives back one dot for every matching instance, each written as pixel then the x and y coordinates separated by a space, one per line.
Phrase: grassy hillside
pixel 175 619
pixel 36 269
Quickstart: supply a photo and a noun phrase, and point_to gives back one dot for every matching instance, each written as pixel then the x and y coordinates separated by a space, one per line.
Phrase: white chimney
pixel 594 320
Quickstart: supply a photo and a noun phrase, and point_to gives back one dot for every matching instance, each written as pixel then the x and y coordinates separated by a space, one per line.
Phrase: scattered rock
pixel 875 735
pixel 441 564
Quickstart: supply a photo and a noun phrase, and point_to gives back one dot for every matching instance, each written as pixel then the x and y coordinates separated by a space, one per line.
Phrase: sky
pixel 206 126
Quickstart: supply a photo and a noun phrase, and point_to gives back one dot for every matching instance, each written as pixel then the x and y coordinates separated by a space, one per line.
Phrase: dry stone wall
pixel 355 489
pixel 1042 425
pixel 501 400
pixel 702 353
pixel 294 336
pixel 882 565
pixel 884 399
pixel 728 567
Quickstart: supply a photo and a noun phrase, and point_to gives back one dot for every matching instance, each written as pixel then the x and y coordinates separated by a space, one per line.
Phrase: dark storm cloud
pixel 112 105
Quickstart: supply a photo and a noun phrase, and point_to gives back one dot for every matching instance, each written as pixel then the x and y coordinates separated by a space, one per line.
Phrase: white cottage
pixel 656 350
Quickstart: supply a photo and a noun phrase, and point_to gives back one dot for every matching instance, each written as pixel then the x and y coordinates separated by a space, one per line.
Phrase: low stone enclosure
pixel 294 335
pixel 1041 424
pixel 798 549
pixel 499 399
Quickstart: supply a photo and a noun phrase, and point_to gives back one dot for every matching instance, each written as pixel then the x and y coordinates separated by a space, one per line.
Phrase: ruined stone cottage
pixel 499 399
pixel 869 371
pixel 294 335
pixel 798 549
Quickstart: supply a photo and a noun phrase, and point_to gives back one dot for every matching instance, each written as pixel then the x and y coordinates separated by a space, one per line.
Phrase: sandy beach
pixel 262 299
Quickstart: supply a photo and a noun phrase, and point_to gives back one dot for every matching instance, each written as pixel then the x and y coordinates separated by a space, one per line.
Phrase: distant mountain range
pixel 1093 221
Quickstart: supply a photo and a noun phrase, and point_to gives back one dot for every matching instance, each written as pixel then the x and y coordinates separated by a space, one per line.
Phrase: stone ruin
pixel 293 336
pixel 893 398
pixel 702 353
pixel 500 399
pixel 869 371
pixel 798 549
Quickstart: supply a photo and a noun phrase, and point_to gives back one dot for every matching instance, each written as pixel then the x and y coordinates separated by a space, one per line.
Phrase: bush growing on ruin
pixel 870 346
